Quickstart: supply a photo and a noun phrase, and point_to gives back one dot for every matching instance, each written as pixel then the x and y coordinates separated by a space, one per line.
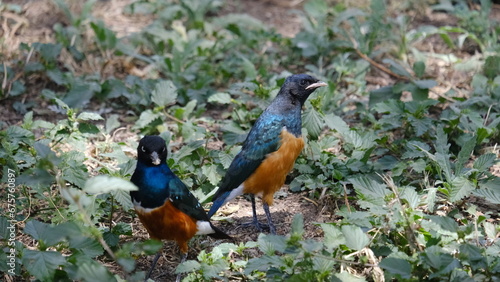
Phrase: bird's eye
pixel 163 150
pixel 142 149
pixel 303 82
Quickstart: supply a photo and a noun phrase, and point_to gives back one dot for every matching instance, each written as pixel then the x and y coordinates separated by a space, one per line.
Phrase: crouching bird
pixel 270 149
pixel 163 202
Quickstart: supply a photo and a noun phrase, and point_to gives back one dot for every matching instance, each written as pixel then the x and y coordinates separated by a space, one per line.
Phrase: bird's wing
pixel 263 139
pixel 185 201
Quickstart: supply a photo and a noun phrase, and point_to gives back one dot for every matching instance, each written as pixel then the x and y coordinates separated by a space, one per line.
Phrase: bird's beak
pixel 155 158
pixel 316 85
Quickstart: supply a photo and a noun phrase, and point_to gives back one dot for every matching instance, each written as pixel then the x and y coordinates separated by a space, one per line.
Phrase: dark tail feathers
pixel 219 234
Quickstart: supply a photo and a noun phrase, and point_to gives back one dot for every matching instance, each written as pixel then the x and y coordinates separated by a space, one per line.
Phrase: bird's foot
pixel 260 226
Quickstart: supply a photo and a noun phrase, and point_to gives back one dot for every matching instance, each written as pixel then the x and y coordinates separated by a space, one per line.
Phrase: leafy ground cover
pixel 398 180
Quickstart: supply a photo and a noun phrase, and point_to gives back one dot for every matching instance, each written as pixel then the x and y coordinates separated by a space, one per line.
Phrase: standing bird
pixel 270 149
pixel 163 202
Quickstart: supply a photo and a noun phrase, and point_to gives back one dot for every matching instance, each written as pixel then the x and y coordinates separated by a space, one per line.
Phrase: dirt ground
pixel 33 25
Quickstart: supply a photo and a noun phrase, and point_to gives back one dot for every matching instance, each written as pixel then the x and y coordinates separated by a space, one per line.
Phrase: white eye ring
pixel 142 149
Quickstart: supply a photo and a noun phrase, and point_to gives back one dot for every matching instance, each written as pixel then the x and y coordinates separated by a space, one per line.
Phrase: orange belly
pixel 271 174
pixel 167 222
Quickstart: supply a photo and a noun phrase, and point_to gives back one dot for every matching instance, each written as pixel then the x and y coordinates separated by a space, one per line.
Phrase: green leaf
pixel 397 68
pixel 484 162
pixel 491 66
pixel 355 238
pixel 445 223
pixel 89 116
pixel 313 122
pixel 43 232
pixel 460 187
pixel 88 246
pixel 123 198
pixel 373 191
pixel 397 266
pixel 425 84
pixel 165 93
pixel 221 98
pixel 464 154
pixel 147 117
pixel 383 94
pixel 269 244
pixel 42 264
pixel 85 127
pixel 188 267
pixel 419 68
pixel 93 271
pixel 210 171
pixel 442 157
pixel 490 195
pixel 105 184
pixel 333 236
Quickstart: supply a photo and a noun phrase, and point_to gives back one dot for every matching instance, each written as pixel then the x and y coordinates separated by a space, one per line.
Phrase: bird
pixel 165 206
pixel 269 150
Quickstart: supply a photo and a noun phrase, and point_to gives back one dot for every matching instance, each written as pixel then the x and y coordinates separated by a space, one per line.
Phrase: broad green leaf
pixel 464 154
pixel 220 97
pixel 86 245
pixel 42 264
pixel 383 94
pixel 313 122
pixel 333 236
pixel 460 187
pixel 425 84
pixel 80 93
pixel 397 68
pixel 122 197
pixel 43 232
pixel 372 191
pixel 491 67
pixel 225 159
pixel 445 223
pixel 104 184
pixel 397 266
pixel 431 198
pixel 323 265
pixel 188 266
pixel 112 123
pixel 146 118
pixel 442 153
pixel 93 271
pixel 410 195
pixel 249 68
pixel 355 238
pixel 419 68
pixel 210 171
pixel 165 93
pixel 490 195
pixel 89 116
pixel 269 244
pixel 484 162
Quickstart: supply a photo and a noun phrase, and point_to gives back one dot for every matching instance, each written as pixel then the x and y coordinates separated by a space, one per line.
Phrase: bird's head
pixel 300 86
pixel 152 150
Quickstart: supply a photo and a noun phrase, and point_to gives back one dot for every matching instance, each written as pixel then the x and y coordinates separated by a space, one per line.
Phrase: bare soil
pixel 35 24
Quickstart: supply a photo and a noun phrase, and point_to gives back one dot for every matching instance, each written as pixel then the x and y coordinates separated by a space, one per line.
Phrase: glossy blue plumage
pixel 157 184
pixel 264 137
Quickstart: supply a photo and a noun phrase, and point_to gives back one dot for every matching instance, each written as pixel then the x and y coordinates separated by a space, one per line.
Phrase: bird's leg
pixel 183 259
pixel 153 265
pixel 254 211
pixel 272 229
pixel 255 222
